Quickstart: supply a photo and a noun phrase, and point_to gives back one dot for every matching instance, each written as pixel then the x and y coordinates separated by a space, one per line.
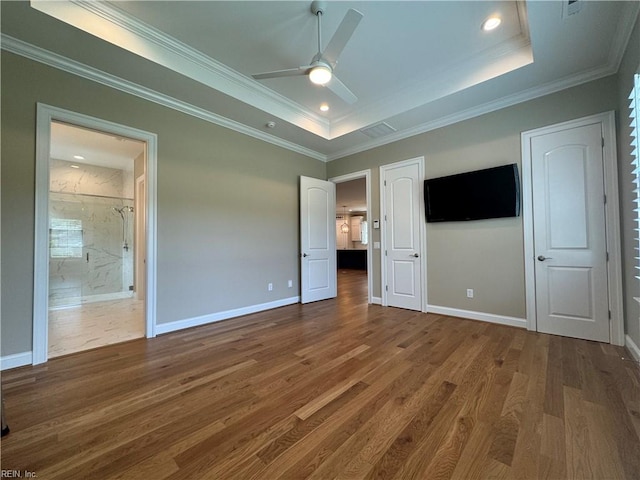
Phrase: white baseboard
pixel 376 300
pixel 16 360
pixel 216 317
pixel 632 347
pixel 485 317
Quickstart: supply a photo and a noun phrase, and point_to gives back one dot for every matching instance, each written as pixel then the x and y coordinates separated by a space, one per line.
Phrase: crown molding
pixel 38 54
pixel 114 25
pixel 488 107
pixel 621 40
pixel 117 27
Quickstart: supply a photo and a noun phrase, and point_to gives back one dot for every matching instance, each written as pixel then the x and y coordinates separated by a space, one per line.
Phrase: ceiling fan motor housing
pixel 318 7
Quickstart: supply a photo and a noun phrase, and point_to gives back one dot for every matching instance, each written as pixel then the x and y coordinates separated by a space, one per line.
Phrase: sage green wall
pixel 227 203
pixel 630 65
pixel 486 255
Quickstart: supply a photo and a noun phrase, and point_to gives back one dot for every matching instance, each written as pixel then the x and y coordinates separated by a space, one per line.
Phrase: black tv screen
pixel 481 194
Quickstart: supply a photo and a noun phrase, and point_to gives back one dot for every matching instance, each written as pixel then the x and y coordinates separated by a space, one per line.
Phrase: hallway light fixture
pixel 344 228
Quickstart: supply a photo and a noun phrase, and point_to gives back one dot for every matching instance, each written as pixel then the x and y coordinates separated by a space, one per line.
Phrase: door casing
pixel 45 115
pixel 612 219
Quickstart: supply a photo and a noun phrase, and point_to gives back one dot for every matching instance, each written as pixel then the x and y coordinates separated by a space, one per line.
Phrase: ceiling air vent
pixel 571 7
pixel 378 130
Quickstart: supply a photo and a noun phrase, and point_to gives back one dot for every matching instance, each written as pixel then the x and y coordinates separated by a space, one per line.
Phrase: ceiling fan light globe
pixel 320 75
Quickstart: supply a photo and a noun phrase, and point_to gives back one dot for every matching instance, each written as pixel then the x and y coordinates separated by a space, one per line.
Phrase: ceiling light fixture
pixel 320 74
pixel 74 166
pixel 344 228
pixel 324 107
pixel 78 157
pixel 491 23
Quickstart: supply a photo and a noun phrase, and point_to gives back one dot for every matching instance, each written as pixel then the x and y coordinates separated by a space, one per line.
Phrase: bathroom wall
pixel 88 260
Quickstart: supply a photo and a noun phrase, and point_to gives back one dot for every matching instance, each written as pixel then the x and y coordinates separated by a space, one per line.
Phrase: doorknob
pixel 542 258
pixel 414 255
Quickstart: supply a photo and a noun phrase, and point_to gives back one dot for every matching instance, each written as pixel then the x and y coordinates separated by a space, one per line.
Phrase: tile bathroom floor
pixel 93 325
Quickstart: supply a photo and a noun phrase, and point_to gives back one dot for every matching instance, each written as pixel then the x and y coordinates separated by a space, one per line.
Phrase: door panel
pixel 403 274
pixel 569 233
pixel 566 202
pixel 318 240
pixel 402 236
pixel 402 212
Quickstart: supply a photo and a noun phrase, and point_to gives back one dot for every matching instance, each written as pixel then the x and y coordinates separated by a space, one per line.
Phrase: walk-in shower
pixel 91 234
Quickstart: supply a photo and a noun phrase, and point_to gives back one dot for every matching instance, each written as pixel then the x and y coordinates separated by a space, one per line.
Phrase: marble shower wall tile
pixel 87 179
pixel 103 267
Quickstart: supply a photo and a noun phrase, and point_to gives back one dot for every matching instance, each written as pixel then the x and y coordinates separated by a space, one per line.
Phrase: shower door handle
pixel 87 257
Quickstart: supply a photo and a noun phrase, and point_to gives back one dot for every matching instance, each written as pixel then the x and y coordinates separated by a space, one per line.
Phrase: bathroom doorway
pixel 93 213
pixel 95 234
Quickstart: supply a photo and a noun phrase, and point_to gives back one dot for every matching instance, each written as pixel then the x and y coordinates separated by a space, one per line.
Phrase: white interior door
pixel 402 235
pixel 318 239
pixel 569 233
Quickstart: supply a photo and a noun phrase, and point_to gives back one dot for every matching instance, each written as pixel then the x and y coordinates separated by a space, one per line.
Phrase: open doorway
pixel 95 233
pixel 94 213
pixel 353 232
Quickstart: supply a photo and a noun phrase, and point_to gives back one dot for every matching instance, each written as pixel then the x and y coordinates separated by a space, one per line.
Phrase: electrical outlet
pixel 290 283
pixel 469 292
pixel 270 287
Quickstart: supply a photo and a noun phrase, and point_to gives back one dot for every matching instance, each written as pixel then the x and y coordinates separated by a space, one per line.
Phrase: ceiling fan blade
pixel 342 36
pixel 341 90
pixel 290 72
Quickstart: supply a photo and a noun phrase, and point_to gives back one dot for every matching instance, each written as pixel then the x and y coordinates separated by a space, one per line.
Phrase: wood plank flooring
pixel 334 389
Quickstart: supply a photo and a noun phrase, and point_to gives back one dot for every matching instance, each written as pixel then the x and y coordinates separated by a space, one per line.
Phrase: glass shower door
pixel 91 251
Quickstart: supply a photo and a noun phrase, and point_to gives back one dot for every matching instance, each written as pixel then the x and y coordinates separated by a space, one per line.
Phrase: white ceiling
pixel 95 148
pixel 415 65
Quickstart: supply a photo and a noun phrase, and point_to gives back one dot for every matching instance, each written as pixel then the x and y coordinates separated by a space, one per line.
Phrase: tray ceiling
pixel 413 65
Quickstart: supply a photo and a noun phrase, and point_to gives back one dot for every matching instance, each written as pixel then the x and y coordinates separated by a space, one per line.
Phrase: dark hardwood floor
pixel 334 389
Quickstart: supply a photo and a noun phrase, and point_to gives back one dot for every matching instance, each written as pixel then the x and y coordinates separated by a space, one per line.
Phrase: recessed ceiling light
pixel 324 107
pixel 491 23
pixel 78 157
pixel 74 166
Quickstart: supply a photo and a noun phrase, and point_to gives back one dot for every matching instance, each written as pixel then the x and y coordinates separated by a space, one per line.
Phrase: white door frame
pixel 422 230
pixel 366 174
pixel 612 219
pixel 45 115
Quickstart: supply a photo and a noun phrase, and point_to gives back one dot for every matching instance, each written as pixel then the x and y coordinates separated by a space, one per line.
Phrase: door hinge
pixel 603 141
pixel 385 183
pixel 385 253
pixel 605 199
pixel 386 288
pixel 607 256
pixel 609 314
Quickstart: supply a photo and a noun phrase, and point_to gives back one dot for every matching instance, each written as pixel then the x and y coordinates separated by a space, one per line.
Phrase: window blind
pixel 635 162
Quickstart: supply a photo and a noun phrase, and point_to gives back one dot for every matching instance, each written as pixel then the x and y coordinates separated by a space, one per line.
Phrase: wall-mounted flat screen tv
pixel 481 194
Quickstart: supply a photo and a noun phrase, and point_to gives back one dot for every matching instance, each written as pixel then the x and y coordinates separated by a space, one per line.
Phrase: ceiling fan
pixel 320 70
